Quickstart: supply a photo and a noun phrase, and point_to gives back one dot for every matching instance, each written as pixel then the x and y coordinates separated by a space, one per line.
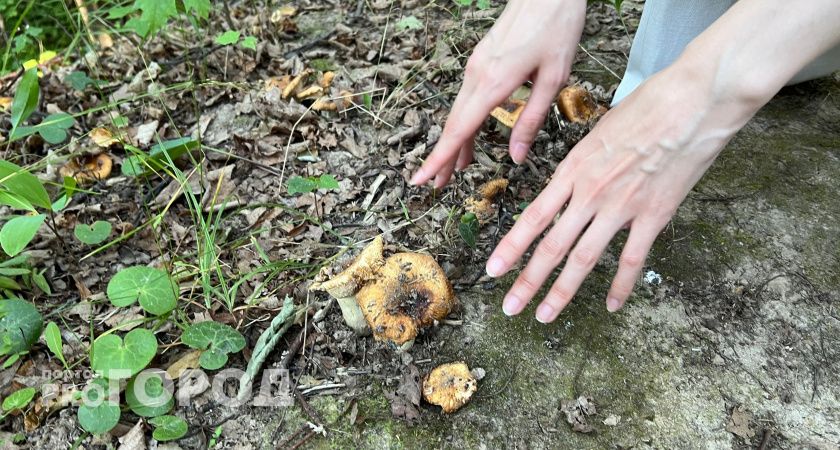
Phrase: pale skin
pixel 644 156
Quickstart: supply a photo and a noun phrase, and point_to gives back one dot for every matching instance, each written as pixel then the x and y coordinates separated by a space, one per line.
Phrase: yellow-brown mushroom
pixel 410 292
pixel 577 104
pixel 88 168
pixel 345 285
pixel 508 112
pixel 450 386
pixel 482 206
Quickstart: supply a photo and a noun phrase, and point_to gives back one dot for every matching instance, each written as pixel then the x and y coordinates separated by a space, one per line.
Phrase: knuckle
pixel 584 257
pixel 551 247
pixel 632 262
pixel 526 284
pixel 534 216
pixel 559 295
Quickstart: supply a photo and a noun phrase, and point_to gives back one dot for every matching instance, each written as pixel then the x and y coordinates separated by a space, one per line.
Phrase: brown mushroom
pixel 87 168
pixel 508 112
pixel 410 292
pixel 482 206
pixel 345 285
pixel 577 104
pixel 450 386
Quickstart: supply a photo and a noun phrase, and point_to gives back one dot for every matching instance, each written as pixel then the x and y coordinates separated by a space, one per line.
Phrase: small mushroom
pixel 508 112
pixel 577 104
pixel 482 206
pixel 410 292
pixel 88 168
pixel 345 285
pixel 450 386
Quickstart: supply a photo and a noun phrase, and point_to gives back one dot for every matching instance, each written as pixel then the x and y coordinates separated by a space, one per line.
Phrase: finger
pixel 533 221
pixel 580 262
pixel 548 254
pixel 466 155
pixel 630 263
pixel 444 175
pixel 533 116
pixel 471 107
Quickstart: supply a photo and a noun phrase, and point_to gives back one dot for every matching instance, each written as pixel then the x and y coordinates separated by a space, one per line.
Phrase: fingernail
pixel 518 152
pixel 613 304
pixel 495 267
pixel 545 313
pixel 512 305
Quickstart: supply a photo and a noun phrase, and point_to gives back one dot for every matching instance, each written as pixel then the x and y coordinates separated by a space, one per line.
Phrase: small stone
pixel 718 360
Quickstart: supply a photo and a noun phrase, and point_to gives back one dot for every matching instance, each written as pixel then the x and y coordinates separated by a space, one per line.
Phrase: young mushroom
pixel 410 292
pixel 450 386
pixel 345 285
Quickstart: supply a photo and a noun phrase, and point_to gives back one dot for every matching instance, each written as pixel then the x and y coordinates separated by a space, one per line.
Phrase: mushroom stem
pixel 353 316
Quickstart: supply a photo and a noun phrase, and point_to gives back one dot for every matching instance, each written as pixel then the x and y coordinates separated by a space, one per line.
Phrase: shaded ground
pixel 738 345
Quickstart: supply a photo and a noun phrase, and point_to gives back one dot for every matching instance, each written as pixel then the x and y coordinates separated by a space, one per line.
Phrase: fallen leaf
pixel 102 137
pixel 576 412
pixel 146 132
pixel 188 361
pixel 283 12
pixel 5 103
pixel 135 439
pixel 739 423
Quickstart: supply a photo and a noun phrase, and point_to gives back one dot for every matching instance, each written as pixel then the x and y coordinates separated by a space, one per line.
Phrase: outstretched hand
pixel 532 40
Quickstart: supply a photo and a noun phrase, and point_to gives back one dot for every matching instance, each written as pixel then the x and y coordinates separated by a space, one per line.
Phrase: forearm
pixel 754 49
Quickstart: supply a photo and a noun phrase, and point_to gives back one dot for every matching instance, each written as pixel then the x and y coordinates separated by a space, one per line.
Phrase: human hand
pixel 634 168
pixel 532 39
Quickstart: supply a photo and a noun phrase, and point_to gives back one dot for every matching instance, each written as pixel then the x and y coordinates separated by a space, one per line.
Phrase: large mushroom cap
pixel 410 292
pixel 450 386
pixel 360 271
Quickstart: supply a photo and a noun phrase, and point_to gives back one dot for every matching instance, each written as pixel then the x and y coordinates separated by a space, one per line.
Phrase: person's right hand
pixel 532 39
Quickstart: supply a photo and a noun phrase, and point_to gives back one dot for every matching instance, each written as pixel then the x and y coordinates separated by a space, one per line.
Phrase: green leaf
pixel 228 37
pixel 327 181
pixel 152 287
pixel 463 3
pixel 53 128
pixel 93 234
pixel 118 12
pixel 20 325
pixel 155 14
pixel 409 23
pixel 482 4
pixel 301 185
pixel 114 358
pixel 54 342
pixel 18 232
pixel 98 414
pixel 26 98
pixel 249 42
pixel 159 155
pixel 20 182
pixel 41 281
pixel 147 395
pixel 201 7
pixel 216 340
pixel 15 201
pixel 8 283
pixel 468 229
pixel 19 399
pixel 168 428
pixel 78 80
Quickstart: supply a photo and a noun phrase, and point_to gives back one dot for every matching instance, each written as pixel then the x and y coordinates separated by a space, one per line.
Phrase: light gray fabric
pixel 667 26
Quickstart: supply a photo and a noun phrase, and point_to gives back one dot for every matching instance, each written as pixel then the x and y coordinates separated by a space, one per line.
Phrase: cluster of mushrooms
pixel 394 298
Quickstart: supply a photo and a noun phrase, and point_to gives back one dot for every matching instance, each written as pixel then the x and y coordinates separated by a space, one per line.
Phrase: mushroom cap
pixel 410 292
pixel 450 386
pixel 508 112
pixel 482 206
pixel 577 104
pixel 360 271
pixel 87 168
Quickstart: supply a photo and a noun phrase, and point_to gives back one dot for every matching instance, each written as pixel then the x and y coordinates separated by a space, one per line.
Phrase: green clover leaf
pixel 147 394
pixel 92 234
pixel 152 287
pixel 114 358
pixel 20 325
pixel 168 428
pixel 98 413
pixel 216 340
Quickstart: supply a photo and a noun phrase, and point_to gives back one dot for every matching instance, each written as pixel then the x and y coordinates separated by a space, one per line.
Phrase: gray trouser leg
pixel 667 26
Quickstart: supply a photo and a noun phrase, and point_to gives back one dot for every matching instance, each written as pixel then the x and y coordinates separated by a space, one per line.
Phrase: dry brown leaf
pixel 88 168
pixel 102 137
pixel 739 423
pixel 135 439
pixel 105 40
pixel 184 363
pixel 283 12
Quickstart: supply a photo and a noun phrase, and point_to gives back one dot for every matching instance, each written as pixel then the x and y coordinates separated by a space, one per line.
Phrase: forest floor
pixel 732 340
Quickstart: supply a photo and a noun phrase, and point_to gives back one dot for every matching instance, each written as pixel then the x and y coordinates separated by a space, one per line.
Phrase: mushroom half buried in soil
pixel 410 292
pixel 345 285
pixel 450 386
